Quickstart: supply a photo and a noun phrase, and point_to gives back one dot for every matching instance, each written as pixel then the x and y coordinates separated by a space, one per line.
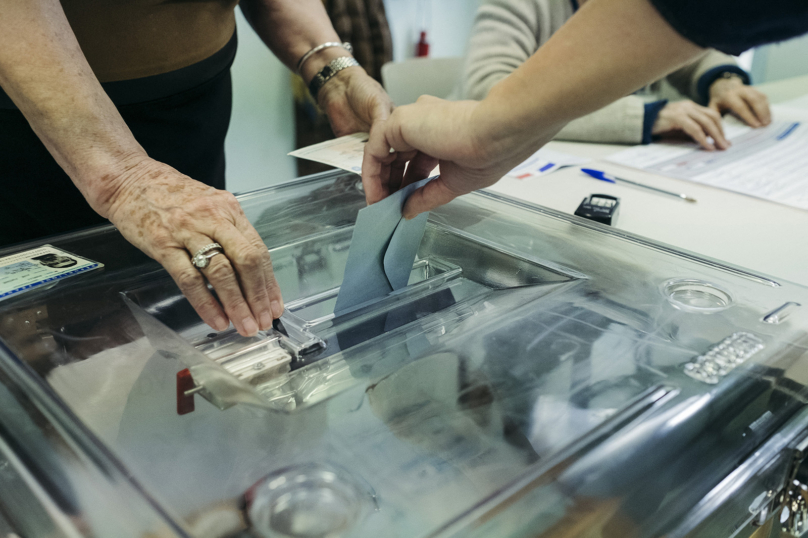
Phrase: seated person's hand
pixel 696 121
pixel 733 96
pixel 170 217
pixel 353 100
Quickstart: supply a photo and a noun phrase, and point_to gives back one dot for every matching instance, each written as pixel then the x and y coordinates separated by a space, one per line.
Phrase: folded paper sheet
pixel 383 249
pixel 345 152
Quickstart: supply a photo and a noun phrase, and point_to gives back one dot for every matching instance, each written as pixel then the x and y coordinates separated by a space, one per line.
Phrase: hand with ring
pixel 200 235
pixel 202 257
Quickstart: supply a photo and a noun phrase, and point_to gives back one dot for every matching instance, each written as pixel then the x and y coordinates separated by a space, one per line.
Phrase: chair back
pixel 406 81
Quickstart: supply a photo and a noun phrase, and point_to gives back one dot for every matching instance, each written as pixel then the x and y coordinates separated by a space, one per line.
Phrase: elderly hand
pixel 432 131
pixel 169 216
pixel 696 121
pixel 732 95
pixel 353 101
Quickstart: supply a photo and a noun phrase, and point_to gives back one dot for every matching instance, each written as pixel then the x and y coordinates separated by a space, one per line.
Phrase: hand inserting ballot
pixel 434 132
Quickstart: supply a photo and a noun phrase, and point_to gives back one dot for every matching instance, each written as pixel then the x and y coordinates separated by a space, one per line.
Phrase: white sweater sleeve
pixel 508 32
pixel 505 34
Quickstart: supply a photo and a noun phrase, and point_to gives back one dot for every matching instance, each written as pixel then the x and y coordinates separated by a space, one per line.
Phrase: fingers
pixel 237 277
pixel 745 102
pixel 397 170
pixel 272 287
pixel 696 132
pixel 376 163
pixel 419 168
pixel 740 108
pixel 433 194
pixel 383 163
pixel 710 122
pixel 382 108
pixel 759 104
pixel 193 285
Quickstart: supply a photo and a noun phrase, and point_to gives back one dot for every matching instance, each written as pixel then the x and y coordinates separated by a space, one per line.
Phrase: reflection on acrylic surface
pixel 529 380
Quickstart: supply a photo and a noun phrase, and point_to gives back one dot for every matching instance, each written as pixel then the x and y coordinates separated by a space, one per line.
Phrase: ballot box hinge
pixel 791 502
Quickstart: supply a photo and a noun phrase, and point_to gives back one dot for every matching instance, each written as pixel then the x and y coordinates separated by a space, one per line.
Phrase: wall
pixel 780 60
pixel 447 22
pixel 262 130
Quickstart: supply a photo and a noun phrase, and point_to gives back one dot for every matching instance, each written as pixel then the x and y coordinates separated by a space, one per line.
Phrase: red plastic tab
pixel 185 382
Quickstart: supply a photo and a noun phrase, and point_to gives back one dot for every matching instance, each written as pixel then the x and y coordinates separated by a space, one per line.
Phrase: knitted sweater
pixel 507 32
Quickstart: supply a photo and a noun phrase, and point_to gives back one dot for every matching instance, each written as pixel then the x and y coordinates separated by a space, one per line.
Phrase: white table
pixel 765 237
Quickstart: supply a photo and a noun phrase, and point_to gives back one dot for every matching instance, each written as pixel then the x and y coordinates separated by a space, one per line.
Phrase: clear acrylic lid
pixel 540 375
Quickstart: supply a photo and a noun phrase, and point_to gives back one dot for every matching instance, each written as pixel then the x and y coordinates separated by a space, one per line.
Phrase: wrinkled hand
pixel 353 101
pixel 169 216
pixel 745 102
pixel 431 132
pixel 696 121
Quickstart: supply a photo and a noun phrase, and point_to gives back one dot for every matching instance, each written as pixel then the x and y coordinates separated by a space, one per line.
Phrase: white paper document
pixel 768 163
pixel 544 162
pixel 345 152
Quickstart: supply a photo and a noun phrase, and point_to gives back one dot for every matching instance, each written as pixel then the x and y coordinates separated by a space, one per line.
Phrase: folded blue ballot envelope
pixel 382 252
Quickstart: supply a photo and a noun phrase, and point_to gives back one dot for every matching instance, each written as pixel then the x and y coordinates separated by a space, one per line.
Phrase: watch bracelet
pixel 345 45
pixel 327 73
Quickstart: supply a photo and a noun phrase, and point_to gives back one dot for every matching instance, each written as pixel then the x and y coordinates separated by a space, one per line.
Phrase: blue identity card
pixel 40 267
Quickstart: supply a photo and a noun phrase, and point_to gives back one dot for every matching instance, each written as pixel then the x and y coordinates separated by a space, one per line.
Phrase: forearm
pixel 45 73
pixel 620 122
pixel 606 51
pixel 290 28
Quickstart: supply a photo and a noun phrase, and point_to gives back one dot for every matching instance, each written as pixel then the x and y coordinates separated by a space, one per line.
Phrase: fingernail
pixel 266 319
pixel 249 326
pixel 277 309
pixel 220 324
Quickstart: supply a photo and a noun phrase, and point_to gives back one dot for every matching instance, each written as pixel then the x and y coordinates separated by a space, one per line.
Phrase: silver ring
pixel 202 257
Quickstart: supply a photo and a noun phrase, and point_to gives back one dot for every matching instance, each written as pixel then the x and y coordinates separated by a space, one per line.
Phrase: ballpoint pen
pixel 603 176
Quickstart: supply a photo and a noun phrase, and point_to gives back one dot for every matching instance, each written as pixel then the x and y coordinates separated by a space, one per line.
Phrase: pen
pixel 603 176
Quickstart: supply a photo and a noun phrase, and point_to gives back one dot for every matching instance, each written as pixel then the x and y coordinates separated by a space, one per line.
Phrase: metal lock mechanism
pixel 795 509
pixel 792 501
pixel 253 361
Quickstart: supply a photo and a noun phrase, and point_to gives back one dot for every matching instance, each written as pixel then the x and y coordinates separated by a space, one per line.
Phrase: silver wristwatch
pixel 327 73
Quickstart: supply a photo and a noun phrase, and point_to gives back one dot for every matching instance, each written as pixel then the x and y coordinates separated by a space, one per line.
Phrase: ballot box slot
pixel 489 264
pixel 362 348
pixel 377 320
pixel 313 311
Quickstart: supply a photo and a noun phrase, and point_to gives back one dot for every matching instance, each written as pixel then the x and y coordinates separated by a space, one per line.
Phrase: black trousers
pixel 185 130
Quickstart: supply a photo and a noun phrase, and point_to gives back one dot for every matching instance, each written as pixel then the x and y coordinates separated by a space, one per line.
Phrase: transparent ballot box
pixel 541 375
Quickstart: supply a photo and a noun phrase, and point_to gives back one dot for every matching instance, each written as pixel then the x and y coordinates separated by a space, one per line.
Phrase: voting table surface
pixel 540 375
pixel 754 233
